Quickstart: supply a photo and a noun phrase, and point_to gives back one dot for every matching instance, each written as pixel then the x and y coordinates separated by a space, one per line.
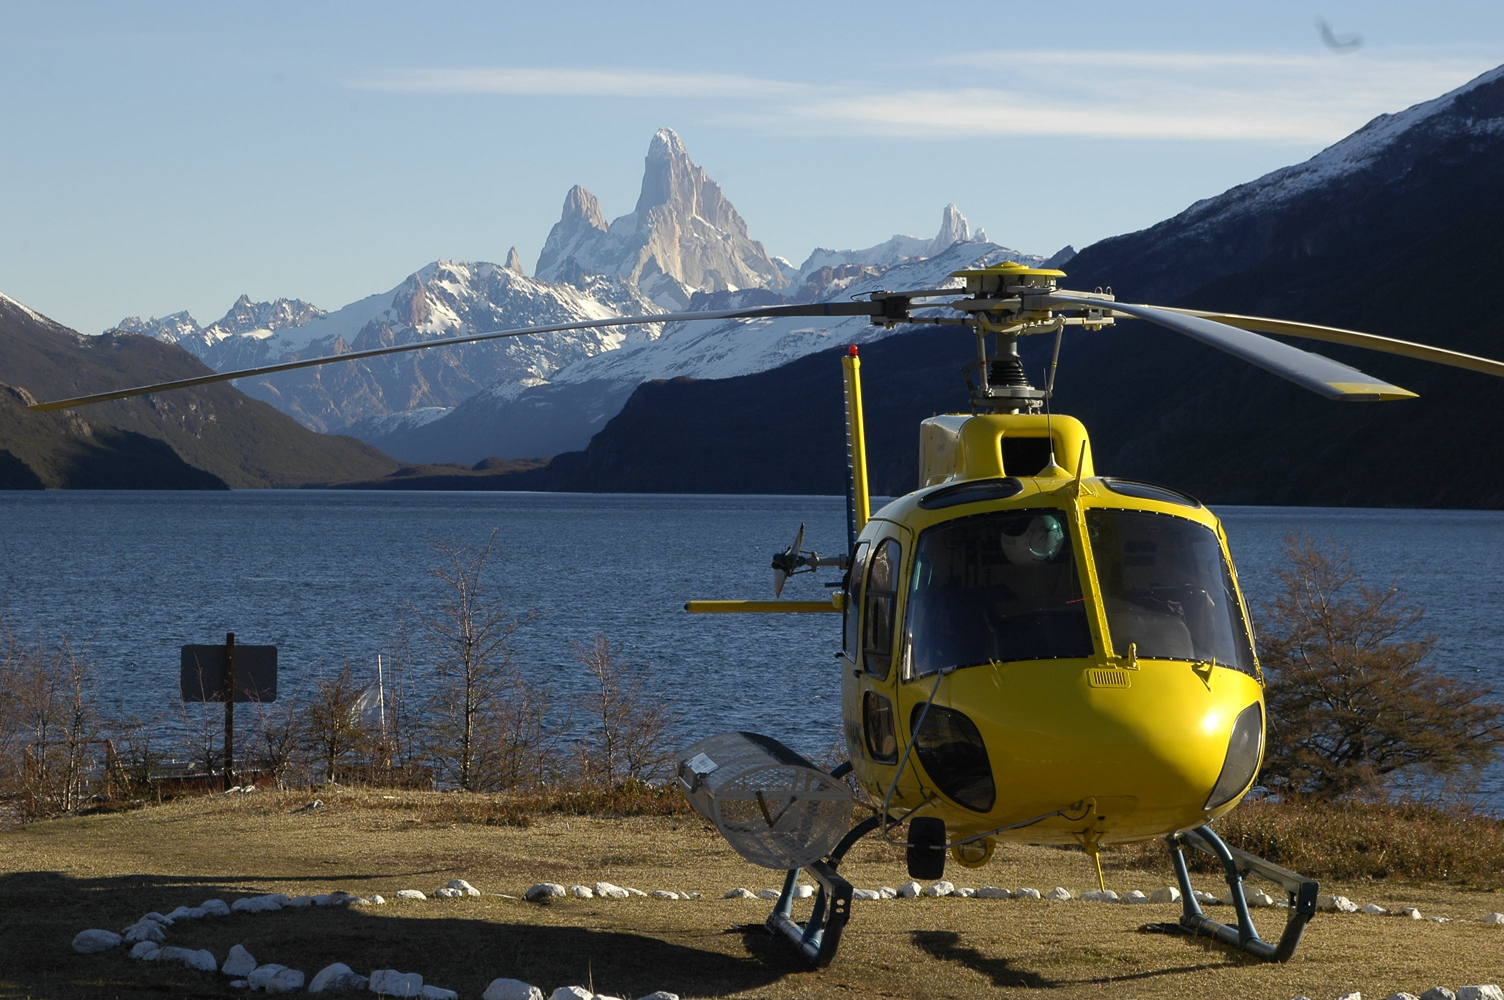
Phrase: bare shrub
pixel 1353 695
pixel 628 721
pixel 334 731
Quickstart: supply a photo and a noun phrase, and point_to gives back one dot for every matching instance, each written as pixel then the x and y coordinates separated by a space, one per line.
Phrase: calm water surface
pixel 322 574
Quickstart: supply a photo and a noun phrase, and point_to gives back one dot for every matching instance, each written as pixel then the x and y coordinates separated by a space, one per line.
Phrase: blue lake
pixel 133 576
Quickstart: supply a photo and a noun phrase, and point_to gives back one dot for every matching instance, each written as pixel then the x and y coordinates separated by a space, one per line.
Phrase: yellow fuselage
pixel 1118 746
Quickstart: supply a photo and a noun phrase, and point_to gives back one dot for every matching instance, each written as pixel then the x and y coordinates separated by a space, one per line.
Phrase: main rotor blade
pixel 1352 338
pixel 762 312
pixel 1323 376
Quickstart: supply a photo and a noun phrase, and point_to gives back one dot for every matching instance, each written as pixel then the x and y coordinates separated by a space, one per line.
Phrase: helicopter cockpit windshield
pixel 1166 588
pixel 995 587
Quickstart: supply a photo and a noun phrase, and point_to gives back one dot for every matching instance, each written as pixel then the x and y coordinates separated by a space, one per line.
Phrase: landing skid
pixel 1236 865
pixel 820 935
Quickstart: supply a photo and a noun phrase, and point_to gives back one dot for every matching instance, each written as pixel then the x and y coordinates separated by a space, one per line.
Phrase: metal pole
pixel 229 696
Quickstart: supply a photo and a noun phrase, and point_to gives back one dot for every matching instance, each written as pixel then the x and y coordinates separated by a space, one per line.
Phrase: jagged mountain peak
pixel 683 237
pixel 514 262
pixel 582 210
pixel 245 315
pixel 953 229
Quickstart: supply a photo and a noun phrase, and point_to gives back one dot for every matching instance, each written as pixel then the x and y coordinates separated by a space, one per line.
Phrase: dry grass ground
pixel 62 876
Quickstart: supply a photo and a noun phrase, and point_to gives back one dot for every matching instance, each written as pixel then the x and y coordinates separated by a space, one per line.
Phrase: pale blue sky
pixel 163 156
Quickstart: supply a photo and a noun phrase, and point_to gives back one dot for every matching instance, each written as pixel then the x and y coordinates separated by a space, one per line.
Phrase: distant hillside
pixel 1396 231
pixel 207 437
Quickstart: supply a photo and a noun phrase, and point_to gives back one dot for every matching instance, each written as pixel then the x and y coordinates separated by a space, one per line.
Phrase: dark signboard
pixel 203 673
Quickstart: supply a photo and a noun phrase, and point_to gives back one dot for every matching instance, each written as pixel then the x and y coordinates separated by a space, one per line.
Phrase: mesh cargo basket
pixel 775 808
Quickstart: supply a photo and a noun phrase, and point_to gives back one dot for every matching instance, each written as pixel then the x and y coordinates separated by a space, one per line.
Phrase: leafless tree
pixel 467 639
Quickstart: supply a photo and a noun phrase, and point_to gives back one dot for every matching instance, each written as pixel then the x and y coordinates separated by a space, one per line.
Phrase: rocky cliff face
pixel 684 235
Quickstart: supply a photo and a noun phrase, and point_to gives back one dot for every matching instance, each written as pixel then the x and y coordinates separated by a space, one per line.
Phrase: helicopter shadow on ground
pixel 946 946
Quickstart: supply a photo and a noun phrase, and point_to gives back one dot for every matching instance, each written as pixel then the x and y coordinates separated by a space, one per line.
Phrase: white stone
pixel 887 892
pixel 1134 896
pixel 1410 913
pixel 377 900
pixel 160 918
pixel 1494 918
pixel 93 941
pixel 1402 995
pixel 582 891
pixel 656 894
pixel 1440 920
pixel 321 899
pixel 1438 993
pixel 1206 898
pixel 145 930
pixel 767 893
pixel 965 892
pixel 910 890
pixel 390 982
pixel 259 904
pixel 1374 910
pixel 1092 896
pixel 338 976
pixel 1336 904
pixel 239 963
pixel 693 895
pixel 803 891
pixel 634 892
pixel 571 993
pixel 146 951
pixel 660 995
pixel 448 893
pixel 300 902
pixel 1165 895
pixel 1260 898
pixel 993 892
pixel 940 888
pixel 513 989
pixel 1026 894
pixel 264 974
pixel 1487 991
pixel 180 913
pixel 607 891
pixel 1354 995
pixel 463 886
pixel 286 981
pixel 1060 892
pixel 410 894
pixel 865 894
pixel 202 960
pixel 432 992
pixel 739 893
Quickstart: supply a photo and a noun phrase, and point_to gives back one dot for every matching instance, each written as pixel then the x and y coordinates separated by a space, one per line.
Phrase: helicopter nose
pixel 1167 747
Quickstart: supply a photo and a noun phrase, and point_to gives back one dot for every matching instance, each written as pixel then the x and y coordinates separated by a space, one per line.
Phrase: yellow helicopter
pixel 1032 652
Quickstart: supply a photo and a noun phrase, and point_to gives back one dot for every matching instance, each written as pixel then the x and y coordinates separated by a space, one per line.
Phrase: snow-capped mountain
pixel 1228 233
pixel 546 417
pixel 684 242
pixel 684 235
pixel 443 299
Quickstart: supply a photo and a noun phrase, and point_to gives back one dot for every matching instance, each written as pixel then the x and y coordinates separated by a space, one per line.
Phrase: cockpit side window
pixel 853 600
pixel 880 601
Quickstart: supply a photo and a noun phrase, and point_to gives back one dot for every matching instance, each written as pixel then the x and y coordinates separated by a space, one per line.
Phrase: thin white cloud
pixel 567 82
pixel 1132 95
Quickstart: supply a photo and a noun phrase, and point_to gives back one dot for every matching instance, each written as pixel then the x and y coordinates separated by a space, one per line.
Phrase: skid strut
pixel 820 935
pixel 1237 865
